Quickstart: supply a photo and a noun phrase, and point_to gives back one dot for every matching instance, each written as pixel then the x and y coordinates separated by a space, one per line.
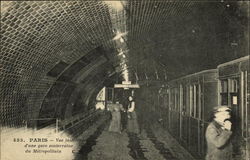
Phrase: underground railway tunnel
pixel 63 62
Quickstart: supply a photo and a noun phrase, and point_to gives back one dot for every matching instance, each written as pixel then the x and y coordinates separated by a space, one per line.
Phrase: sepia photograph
pixel 125 80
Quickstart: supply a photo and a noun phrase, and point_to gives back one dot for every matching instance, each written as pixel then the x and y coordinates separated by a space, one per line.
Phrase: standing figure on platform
pixel 124 116
pixel 132 125
pixel 115 109
pixel 218 133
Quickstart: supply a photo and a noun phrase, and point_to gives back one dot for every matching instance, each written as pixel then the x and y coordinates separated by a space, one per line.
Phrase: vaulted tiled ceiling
pixel 186 37
pixel 41 41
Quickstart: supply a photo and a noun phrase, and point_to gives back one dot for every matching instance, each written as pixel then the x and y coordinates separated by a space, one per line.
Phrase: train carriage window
pixel 171 104
pixel 177 101
pixel 224 92
pixel 198 99
pixel 194 100
pixel 167 99
pixel 233 86
pixel 170 99
pixel 233 89
pixel 187 94
pixel 181 99
pixel 173 99
pixel 201 102
pixel 184 100
pixel 191 103
pixel 184 95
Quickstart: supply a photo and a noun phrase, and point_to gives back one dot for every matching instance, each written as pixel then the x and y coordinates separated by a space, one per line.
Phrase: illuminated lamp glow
pixel 121 40
pixel 125 75
pixel 119 36
pixel 121 53
pixel 115 5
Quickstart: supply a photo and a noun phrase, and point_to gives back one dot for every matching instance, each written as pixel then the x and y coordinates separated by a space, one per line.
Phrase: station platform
pixel 153 143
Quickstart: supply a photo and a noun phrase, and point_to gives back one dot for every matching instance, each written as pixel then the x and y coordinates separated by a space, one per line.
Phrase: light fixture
pixel 120 53
pixel 124 67
pixel 121 40
pixel 119 35
pixel 118 5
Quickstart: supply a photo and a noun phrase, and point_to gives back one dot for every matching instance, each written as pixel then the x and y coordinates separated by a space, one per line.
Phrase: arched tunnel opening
pixel 65 64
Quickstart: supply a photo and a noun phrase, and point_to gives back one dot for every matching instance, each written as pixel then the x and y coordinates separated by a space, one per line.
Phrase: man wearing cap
pixel 218 135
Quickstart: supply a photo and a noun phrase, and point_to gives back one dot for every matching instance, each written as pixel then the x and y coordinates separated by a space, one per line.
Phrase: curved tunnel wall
pixel 35 37
pixel 82 76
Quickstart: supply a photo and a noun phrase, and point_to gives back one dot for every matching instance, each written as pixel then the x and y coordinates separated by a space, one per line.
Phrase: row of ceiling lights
pixel 118 6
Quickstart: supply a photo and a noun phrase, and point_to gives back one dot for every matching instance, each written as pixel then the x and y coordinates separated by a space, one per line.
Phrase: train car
pixel 185 103
pixel 234 91
pixel 186 106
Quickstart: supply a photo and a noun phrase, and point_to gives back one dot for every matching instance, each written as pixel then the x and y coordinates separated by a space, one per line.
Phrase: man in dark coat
pixel 218 135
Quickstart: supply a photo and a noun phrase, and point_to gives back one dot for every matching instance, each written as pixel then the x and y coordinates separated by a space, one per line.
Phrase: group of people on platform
pixel 123 117
pixel 218 133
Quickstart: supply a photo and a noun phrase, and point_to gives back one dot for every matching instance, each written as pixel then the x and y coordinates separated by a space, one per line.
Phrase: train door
pixel 160 106
pixel 196 127
pixel 233 101
pixel 169 108
pixel 230 96
pixel 165 109
pixel 177 113
pixel 183 116
pixel 245 111
pixel 172 113
pixel 199 117
pixel 191 129
pixel 181 112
